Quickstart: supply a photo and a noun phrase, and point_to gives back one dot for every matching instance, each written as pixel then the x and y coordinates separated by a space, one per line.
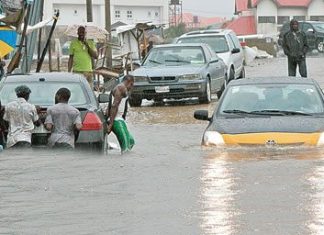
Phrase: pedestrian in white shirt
pixel 21 116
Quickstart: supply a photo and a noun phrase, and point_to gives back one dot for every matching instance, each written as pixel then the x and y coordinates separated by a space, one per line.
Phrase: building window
pixel 267 19
pixel 56 10
pixel 299 18
pixel 282 19
pixel 117 14
pixel 156 14
pixel 75 12
pixel 149 14
pixel 129 14
pixel 317 18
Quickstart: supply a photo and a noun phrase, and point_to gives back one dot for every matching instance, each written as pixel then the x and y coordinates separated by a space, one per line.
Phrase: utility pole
pixel 89 11
pixel 108 28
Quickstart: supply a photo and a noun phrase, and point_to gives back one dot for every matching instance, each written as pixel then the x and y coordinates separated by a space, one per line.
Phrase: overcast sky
pixel 209 8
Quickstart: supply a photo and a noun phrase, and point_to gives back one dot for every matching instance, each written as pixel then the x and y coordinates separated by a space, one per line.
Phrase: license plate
pixel 40 130
pixel 162 89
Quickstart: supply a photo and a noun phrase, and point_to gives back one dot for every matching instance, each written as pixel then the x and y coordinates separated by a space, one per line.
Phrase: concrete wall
pixel 266 8
pixel 292 11
pixel 316 8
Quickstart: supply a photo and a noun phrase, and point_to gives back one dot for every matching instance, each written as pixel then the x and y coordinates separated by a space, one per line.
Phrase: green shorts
pixel 125 139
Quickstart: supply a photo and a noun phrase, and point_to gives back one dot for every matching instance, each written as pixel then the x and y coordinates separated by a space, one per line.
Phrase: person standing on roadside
pixel 295 48
pixel 82 52
pixel 21 116
pixel 62 120
pixel 116 113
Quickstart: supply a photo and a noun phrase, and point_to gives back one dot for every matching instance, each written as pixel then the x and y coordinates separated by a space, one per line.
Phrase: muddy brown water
pixel 168 184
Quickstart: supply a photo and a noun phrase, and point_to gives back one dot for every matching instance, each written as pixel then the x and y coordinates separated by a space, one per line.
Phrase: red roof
pixel 187 18
pixel 244 25
pixel 241 5
pixel 286 3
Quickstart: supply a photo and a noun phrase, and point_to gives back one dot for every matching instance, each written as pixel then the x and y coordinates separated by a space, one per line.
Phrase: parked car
pixel 43 88
pixel 314 31
pixel 227 46
pixel 179 71
pixel 267 111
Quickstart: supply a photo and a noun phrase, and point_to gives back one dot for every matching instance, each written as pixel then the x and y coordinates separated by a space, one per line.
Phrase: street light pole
pixel 89 11
pixel 108 28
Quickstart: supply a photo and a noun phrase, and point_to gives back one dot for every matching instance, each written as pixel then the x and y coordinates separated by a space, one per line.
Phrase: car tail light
pixel 91 122
pixel 243 44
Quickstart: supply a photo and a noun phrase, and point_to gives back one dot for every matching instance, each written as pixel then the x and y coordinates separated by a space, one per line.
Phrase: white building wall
pixel 74 11
pixel 316 8
pixel 266 8
pixel 291 11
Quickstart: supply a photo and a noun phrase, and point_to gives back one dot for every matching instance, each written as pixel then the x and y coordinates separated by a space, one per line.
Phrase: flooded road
pixel 168 184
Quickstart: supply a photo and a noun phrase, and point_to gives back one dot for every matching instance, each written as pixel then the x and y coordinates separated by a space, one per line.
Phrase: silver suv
pixel 227 46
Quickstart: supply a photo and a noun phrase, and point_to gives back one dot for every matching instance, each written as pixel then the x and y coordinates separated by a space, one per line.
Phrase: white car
pixel 227 46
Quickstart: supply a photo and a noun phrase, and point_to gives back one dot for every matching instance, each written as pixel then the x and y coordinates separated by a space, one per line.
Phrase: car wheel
pixel 242 74
pixel 220 92
pixel 320 46
pixel 135 102
pixel 206 98
pixel 231 75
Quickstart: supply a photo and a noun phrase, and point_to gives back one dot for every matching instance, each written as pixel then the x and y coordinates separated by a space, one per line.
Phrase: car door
pixel 309 30
pixel 238 56
pixel 216 69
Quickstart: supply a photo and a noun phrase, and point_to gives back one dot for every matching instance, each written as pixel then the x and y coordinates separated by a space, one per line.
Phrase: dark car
pixel 267 111
pixel 179 71
pixel 314 31
pixel 43 88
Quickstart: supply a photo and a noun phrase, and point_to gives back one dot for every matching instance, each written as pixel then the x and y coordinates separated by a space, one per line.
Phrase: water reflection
pixel 217 197
pixel 316 209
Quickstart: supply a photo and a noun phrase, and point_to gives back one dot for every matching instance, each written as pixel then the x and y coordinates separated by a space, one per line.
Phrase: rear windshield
pixel 217 43
pixel 43 93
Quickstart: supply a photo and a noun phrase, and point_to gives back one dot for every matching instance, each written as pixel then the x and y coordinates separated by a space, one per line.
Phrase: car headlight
pixel 140 79
pixel 190 77
pixel 214 138
pixel 320 141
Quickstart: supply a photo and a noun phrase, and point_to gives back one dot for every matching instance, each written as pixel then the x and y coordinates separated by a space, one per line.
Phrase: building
pixel 270 15
pixel 125 11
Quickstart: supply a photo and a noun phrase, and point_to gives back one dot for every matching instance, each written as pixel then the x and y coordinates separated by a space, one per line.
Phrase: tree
pixel 175 31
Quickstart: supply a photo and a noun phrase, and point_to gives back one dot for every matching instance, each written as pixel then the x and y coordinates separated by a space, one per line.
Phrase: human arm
pixel 77 122
pixel 91 49
pixel 285 45
pixel 48 121
pixel 70 63
pixel 35 117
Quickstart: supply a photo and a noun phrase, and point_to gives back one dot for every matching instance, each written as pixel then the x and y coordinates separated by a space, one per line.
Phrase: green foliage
pixel 175 31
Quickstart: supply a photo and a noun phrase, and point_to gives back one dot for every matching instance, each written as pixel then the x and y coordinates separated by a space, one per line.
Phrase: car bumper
pixel 267 139
pixel 165 90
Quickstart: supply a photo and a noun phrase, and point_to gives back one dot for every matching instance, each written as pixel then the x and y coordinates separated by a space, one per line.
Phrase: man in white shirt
pixel 21 116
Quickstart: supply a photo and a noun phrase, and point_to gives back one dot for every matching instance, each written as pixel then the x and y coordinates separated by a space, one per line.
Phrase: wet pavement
pixel 168 184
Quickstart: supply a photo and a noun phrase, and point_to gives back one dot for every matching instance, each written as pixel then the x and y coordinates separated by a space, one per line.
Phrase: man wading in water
pixel 116 113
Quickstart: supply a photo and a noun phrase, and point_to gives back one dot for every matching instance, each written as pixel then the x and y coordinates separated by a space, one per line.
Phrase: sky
pixel 209 8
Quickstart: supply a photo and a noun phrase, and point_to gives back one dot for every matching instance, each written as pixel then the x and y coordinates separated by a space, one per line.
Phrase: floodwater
pixel 168 184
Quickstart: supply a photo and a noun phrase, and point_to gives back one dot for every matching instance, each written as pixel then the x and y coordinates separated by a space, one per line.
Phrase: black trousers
pixel 292 66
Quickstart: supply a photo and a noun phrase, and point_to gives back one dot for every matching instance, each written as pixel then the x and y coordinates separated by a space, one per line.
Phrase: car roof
pixel 271 80
pixel 182 45
pixel 207 32
pixel 50 76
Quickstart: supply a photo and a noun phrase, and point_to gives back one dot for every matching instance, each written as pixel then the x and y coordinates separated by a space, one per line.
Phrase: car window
pixel 230 42
pixel 291 97
pixel 44 93
pixel 235 41
pixel 319 26
pixel 217 43
pixel 172 56
pixel 307 26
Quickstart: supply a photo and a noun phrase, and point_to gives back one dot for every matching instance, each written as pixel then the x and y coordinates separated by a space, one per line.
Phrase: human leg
pixel 302 68
pixel 125 139
pixel 292 66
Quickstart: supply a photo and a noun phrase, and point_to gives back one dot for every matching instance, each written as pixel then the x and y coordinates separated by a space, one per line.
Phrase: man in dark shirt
pixel 295 47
